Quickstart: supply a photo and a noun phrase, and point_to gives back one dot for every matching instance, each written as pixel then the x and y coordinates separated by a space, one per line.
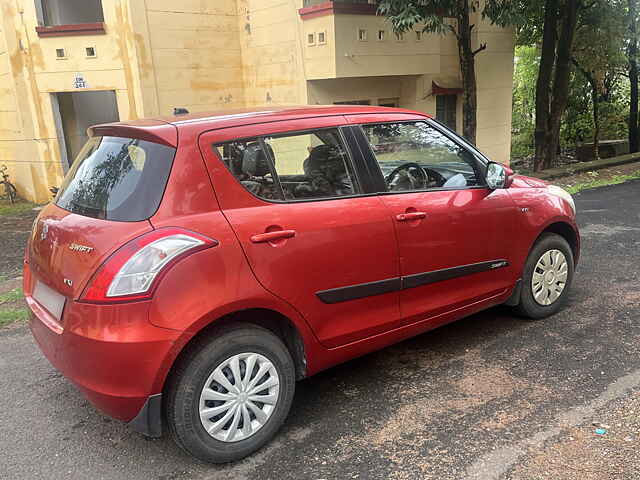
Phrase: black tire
pixel 190 375
pixel 528 306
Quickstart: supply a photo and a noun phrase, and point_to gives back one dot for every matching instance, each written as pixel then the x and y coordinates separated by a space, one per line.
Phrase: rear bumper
pixel 112 353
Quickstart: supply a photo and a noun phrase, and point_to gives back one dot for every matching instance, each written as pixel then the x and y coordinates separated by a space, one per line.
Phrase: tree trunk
pixel 468 70
pixel 560 92
pixel 596 98
pixel 596 120
pixel 543 85
pixel 634 140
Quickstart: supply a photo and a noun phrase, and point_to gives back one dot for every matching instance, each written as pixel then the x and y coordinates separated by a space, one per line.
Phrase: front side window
pixel 415 156
pixel 295 166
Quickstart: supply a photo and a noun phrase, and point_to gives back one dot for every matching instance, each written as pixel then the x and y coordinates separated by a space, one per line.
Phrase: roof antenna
pixel 180 111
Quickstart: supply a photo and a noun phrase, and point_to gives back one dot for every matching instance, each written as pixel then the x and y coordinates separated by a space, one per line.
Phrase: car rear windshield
pixel 115 178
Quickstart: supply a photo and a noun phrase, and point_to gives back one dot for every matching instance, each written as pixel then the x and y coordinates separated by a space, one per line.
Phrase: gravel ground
pixel 489 397
pixel 604 448
pixel 14 231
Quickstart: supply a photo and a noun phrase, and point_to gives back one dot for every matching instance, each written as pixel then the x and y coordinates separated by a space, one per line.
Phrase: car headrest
pixel 254 161
pixel 323 157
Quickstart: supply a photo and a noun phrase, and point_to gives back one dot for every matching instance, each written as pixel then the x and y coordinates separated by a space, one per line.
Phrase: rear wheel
pixel 229 395
pixel 547 277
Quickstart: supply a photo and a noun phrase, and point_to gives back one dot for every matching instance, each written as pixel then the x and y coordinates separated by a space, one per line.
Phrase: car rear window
pixel 116 178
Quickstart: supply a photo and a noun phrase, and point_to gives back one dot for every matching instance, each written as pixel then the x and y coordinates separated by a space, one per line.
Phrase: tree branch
pixel 584 6
pixel 590 78
pixel 454 31
pixel 483 46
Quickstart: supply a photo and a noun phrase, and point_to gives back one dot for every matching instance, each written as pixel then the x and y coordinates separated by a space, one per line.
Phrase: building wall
pixel 494 73
pixel 194 54
pixel 205 55
pixel 320 58
pixel 356 58
pixel 33 152
pixel 323 92
pixel 272 56
pixel 28 145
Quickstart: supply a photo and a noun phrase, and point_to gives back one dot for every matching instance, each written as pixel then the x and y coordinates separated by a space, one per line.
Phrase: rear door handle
pixel 271 236
pixel 407 217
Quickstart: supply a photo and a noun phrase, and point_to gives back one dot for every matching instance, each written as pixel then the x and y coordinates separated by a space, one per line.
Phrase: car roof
pixel 163 128
pixel 247 116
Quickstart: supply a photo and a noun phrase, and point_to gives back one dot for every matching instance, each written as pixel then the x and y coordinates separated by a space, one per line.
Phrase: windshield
pixel 116 178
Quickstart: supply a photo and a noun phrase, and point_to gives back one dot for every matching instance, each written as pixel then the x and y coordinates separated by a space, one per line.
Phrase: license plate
pixel 48 298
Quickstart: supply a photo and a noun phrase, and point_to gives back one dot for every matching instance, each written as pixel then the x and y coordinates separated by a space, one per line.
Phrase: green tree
pixel 598 55
pixel 632 55
pixel 435 17
pixel 527 61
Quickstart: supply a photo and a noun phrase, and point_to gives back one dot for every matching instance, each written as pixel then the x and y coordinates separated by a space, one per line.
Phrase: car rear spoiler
pixel 149 130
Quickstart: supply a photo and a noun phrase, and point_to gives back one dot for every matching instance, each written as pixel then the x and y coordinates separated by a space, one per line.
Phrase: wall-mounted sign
pixel 79 81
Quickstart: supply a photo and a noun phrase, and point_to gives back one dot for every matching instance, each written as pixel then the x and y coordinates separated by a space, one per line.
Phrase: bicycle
pixel 9 189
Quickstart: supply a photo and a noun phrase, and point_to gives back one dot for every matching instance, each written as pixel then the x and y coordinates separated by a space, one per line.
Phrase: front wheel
pixel 230 394
pixel 547 277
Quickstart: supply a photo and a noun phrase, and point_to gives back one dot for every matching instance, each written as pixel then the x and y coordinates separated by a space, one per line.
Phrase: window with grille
pixel 446 106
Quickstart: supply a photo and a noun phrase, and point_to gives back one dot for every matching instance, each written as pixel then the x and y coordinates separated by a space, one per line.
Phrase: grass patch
pixel 601 182
pixel 11 296
pixel 18 208
pixel 13 315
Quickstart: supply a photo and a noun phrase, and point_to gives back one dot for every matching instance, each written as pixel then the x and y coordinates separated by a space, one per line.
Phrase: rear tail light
pixel 134 270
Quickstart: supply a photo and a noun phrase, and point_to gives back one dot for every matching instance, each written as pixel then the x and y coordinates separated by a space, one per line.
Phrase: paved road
pixel 466 401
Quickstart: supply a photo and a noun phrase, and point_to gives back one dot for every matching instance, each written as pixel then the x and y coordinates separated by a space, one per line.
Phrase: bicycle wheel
pixel 11 192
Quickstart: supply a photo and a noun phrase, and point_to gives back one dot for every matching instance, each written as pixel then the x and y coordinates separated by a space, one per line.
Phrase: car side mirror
pixel 498 176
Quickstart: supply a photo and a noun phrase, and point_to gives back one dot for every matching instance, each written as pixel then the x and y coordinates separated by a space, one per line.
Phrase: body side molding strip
pixel 417 280
pixel 363 290
pixel 353 292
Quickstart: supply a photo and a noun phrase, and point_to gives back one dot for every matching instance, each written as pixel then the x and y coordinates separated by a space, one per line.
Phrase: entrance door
pixel 311 234
pixel 77 111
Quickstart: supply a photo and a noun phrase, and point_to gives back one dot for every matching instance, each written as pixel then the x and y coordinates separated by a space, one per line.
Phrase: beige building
pixel 67 64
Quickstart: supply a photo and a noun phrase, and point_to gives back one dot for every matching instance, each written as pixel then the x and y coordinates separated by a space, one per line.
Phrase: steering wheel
pixel 408 168
pixel 425 176
pixel 435 178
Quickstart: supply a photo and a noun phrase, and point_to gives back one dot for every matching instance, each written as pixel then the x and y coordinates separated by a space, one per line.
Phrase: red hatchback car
pixel 192 268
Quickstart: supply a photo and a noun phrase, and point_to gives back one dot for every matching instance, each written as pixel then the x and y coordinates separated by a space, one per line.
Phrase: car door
pixel 454 233
pixel 311 230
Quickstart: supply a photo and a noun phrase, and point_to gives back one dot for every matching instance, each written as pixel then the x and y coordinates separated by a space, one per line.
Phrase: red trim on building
pixel 334 8
pixel 438 90
pixel 96 28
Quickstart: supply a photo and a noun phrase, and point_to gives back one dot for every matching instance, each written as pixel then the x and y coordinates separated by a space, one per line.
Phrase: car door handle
pixel 410 216
pixel 271 236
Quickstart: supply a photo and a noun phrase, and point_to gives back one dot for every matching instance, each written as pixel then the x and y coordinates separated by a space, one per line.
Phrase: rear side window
pixel 296 166
pixel 115 178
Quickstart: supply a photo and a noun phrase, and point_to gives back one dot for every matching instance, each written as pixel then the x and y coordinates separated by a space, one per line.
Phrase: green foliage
pixel 599 51
pixel 11 296
pixel 10 210
pixel 597 182
pixel 13 315
pixel 527 59
pixel 434 15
